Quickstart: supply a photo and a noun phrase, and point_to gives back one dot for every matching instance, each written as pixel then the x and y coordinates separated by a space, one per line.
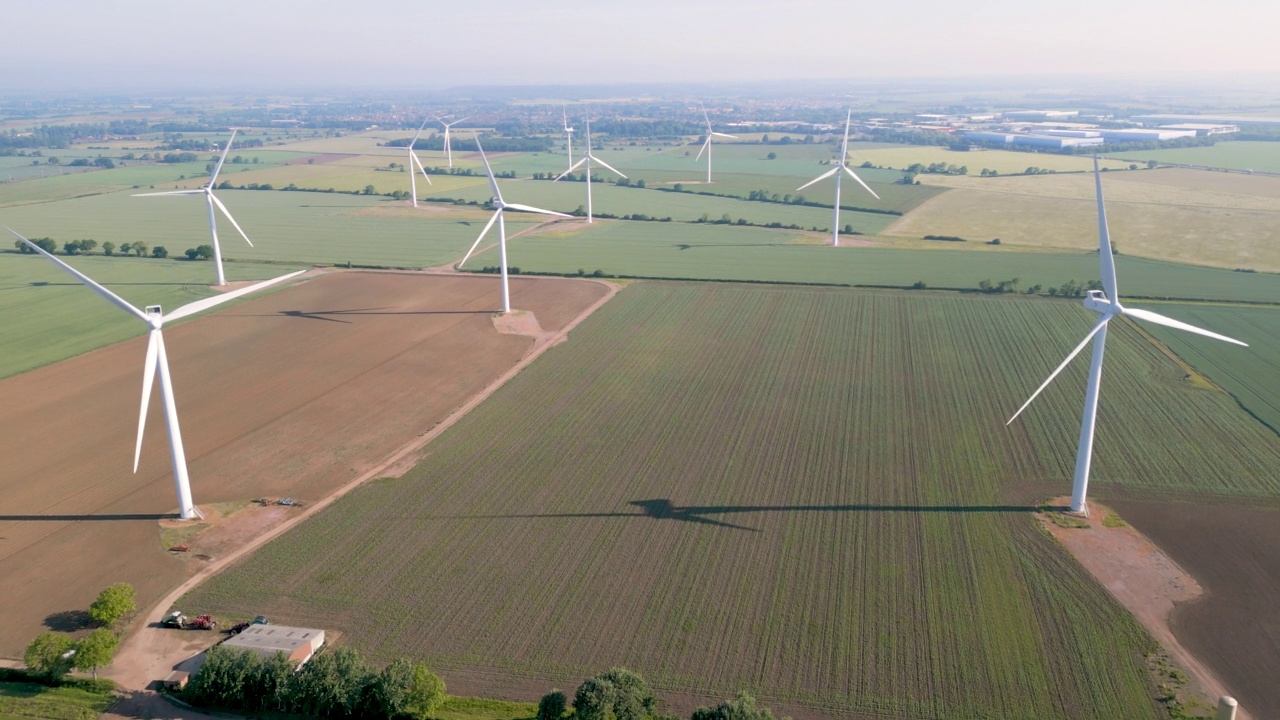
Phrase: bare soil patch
pixel 1234 628
pixel 293 394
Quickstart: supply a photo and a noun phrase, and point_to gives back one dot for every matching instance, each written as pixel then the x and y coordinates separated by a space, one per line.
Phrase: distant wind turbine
pixel 414 161
pixel 568 131
pixel 587 158
pixel 212 200
pixel 1106 304
pixel 840 165
pixel 158 362
pixel 501 206
pixel 448 150
pixel 706 146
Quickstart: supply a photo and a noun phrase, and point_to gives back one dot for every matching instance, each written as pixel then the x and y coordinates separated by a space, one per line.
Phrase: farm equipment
pixel 177 620
pixel 238 628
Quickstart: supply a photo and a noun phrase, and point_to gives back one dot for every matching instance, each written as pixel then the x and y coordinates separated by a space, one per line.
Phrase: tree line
pixel 52 655
pixel 86 247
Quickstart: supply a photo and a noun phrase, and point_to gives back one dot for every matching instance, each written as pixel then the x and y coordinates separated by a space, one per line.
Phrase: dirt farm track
pixel 292 394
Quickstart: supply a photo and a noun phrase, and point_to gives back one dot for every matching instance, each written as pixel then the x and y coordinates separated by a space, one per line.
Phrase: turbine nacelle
pixel 155 316
pixel 1097 301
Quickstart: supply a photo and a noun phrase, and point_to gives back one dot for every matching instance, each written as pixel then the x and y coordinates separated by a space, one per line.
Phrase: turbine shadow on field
pixel 73 518
pixel 321 314
pixel 687 246
pixel 663 509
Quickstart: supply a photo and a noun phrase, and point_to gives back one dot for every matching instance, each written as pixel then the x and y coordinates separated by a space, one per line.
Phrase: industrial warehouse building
pixel 1054 142
pixel 297 644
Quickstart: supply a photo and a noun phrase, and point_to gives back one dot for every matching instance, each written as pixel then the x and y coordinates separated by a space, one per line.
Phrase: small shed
pixel 297 644
pixel 176 679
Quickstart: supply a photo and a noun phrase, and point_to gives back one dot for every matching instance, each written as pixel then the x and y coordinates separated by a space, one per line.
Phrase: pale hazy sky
pixel 164 44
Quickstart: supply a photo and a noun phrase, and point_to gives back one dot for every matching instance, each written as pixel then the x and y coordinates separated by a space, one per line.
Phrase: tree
pixel 426 693
pixel 332 683
pixel 125 248
pixel 369 190
pixel 1151 164
pixel 95 650
pixel 71 247
pixel 47 655
pixel 640 183
pixel 387 694
pixel 742 708
pixel 88 246
pixel 139 248
pixel 159 251
pixel 551 706
pixel 594 700
pixel 103 162
pixel 113 604
pixel 108 248
pixel 771 156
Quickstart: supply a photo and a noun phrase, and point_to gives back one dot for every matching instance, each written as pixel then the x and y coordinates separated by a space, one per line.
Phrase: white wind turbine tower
pixel 706 146
pixel 1106 304
pixel 158 362
pixel 844 153
pixel 568 131
pixel 212 200
pixel 501 206
pixel 587 158
pixel 448 149
pixel 414 161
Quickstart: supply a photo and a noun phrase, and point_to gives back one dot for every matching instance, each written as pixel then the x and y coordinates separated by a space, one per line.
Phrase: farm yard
pixel 806 492
pixel 290 394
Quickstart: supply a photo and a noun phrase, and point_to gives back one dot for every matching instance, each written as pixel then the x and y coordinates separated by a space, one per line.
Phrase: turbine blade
pixel 214 178
pixel 704 148
pixel 148 379
pixel 105 293
pixel 416 136
pixel 205 304
pixel 493 184
pixel 844 147
pixel 717 134
pixel 226 212
pixel 1178 324
pixel 615 170
pixel 704 117
pixel 572 167
pixel 1102 321
pixel 1105 258
pixel 483 232
pixel 854 175
pixel 823 176
pixel 527 208
pixel 419 162
pixel 196 191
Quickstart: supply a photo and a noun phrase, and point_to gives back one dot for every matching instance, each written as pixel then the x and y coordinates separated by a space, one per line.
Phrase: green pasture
pixel 815 496
pixel 687 207
pixel 52 316
pixel 714 252
pixel 1251 374
pixel 1233 154
pixel 23 701
pixel 295 227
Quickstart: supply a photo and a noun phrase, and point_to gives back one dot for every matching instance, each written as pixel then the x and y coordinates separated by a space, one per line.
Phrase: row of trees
pixel 52 655
pixel 337 684
pixel 85 247
pixel 621 694
pixel 1071 288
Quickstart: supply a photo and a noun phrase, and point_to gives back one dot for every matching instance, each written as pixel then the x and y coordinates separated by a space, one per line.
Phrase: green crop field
pixel 284 226
pixel 1251 374
pixel 24 701
pixel 51 316
pixel 1003 161
pixel 808 492
pixel 1235 155
pixel 715 252
pixel 1178 215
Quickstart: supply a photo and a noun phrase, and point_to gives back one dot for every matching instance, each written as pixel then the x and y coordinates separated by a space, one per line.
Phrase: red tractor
pixel 203 622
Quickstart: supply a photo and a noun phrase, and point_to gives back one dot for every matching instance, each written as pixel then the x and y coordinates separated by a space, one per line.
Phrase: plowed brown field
pixel 290 394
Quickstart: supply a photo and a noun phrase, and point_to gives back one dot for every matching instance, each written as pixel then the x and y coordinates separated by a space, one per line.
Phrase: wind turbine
pixel 501 206
pixel 706 146
pixel 1106 304
pixel 568 131
pixel 844 153
pixel 212 200
pixel 448 150
pixel 158 361
pixel 413 160
pixel 587 158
